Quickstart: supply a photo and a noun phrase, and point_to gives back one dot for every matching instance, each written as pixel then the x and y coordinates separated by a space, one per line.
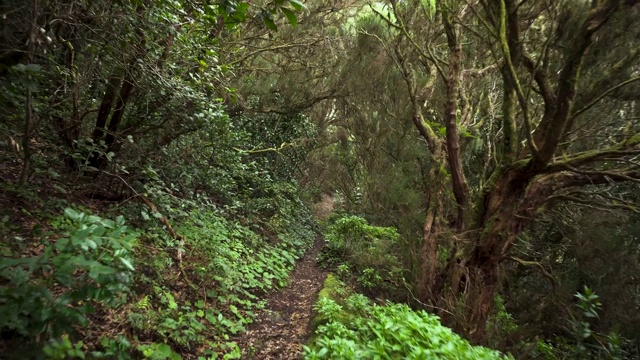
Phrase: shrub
pixel 46 295
pixel 367 251
pixel 354 328
pixel 500 324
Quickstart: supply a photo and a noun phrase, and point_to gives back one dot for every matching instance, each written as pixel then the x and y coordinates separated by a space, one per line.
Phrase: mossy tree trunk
pixel 529 169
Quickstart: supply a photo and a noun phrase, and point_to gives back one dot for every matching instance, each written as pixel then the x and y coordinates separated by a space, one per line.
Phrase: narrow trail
pixel 282 327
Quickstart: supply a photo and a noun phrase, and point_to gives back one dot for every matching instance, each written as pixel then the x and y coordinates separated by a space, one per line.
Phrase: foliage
pixel 583 242
pixel 156 351
pixel 367 252
pixel 354 328
pixel 48 294
pixel 231 265
pixel 588 343
pixel 500 324
pixel 332 290
pixel 223 116
pixel 453 155
pixel 582 341
pixel 279 142
pixel 63 349
pixel 113 348
pixel 133 104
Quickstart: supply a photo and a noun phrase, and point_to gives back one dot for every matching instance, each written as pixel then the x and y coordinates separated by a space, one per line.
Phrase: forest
pixel 319 179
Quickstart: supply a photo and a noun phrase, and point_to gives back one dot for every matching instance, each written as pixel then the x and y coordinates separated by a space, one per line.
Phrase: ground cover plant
pixel 351 326
pixel 362 253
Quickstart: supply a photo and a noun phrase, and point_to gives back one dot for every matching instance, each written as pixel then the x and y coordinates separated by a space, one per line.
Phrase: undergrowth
pixel 363 254
pixel 95 288
pixel 352 327
pixel 231 266
pixel 84 266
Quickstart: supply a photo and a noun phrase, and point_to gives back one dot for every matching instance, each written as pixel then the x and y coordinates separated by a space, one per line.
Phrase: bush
pixel 354 328
pixel 46 295
pixel 368 252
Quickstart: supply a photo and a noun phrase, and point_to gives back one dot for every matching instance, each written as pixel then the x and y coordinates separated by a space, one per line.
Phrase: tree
pixel 535 77
pixel 108 71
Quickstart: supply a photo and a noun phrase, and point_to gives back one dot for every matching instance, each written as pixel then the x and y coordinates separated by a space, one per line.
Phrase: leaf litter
pixel 283 326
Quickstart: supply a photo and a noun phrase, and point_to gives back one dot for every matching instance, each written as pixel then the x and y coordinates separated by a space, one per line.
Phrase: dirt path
pixel 282 327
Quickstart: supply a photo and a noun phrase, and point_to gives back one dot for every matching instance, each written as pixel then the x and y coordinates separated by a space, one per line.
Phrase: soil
pixel 282 327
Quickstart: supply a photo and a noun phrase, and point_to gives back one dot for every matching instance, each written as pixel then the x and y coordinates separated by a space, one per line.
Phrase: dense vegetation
pixel 349 326
pixel 477 161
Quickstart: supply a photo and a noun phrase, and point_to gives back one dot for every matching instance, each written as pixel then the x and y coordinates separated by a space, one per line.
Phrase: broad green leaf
pixel 73 215
pixel 291 17
pixel 164 350
pixel 270 24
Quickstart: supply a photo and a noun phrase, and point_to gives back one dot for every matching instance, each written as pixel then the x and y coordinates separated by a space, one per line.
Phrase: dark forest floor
pixel 282 327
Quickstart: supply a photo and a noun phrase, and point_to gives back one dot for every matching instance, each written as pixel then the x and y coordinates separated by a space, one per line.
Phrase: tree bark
pixel 118 112
pixel 105 108
pixel 458 181
pixel 28 117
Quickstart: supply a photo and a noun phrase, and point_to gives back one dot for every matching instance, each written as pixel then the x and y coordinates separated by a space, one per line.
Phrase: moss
pixel 332 289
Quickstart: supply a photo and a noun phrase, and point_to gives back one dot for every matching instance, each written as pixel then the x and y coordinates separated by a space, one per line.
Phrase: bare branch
pixel 626 148
pixel 601 96
pixel 543 271
pixel 598 204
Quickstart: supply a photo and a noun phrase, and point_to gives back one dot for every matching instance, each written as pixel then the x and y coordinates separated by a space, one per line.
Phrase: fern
pixel 144 303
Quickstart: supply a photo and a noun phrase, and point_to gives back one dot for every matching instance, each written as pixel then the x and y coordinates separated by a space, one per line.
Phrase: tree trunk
pixel 105 108
pixel 504 213
pixel 118 113
pixel 28 116
pixel 428 256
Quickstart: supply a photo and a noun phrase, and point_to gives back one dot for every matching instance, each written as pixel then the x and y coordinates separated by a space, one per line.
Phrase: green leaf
pixel 164 350
pixel 298 5
pixel 73 215
pixel 270 24
pixel 126 263
pixel 91 244
pixel 291 17
pixel 429 6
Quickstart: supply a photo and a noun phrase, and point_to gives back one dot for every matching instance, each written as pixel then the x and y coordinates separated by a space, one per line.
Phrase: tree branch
pixel 601 96
pixel 543 271
pixel 629 147
pixel 616 203
pixel 552 127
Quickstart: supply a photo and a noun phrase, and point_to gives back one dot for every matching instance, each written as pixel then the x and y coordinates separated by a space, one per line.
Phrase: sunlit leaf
pixel 126 263
pixel 298 5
